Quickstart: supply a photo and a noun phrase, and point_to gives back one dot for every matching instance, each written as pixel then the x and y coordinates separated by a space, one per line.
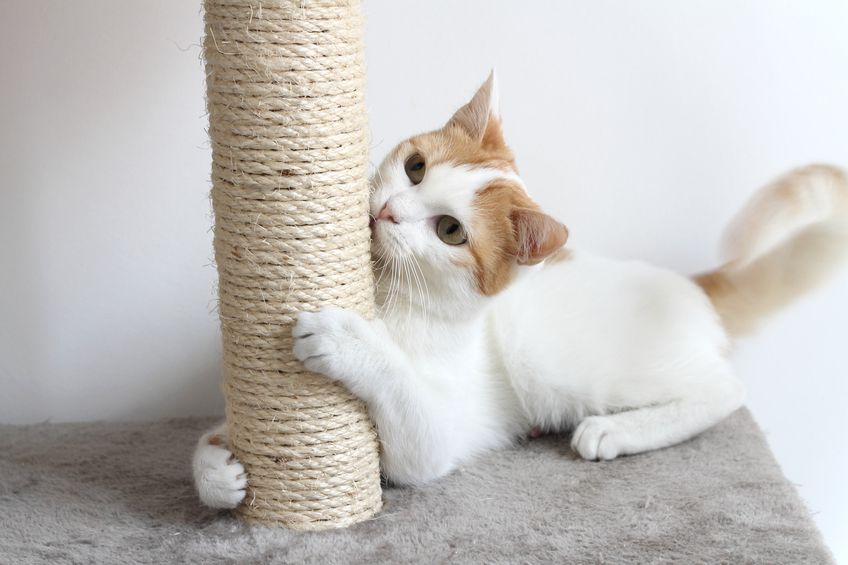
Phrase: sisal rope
pixel 287 122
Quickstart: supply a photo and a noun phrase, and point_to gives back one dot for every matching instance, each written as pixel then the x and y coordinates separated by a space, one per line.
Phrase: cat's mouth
pixel 387 239
pixel 383 233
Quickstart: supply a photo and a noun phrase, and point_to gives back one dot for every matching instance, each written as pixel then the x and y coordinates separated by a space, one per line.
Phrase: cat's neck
pixel 404 302
pixel 433 331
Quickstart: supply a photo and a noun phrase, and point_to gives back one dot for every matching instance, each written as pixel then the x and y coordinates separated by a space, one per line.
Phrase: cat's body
pixel 535 357
pixel 489 329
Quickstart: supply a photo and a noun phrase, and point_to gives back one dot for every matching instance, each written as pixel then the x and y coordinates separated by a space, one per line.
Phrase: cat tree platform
pixel 122 493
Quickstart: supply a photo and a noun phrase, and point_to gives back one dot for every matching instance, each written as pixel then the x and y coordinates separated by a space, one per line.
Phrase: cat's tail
pixel 786 240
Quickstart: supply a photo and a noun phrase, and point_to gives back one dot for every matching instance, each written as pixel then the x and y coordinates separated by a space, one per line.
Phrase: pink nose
pixel 386 214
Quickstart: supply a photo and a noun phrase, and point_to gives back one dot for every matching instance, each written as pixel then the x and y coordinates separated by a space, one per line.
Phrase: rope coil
pixel 287 122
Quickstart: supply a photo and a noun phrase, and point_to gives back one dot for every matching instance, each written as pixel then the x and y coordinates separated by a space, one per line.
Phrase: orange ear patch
pixel 452 145
pixel 492 242
pixel 509 229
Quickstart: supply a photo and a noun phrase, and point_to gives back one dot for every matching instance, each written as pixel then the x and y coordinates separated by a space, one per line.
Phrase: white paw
pixel 597 438
pixel 219 478
pixel 328 341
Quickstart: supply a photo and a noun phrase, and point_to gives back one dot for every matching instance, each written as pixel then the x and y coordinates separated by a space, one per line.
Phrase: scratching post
pixel 287 122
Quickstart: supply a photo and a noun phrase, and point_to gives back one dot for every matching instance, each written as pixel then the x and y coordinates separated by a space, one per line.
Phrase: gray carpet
pixel 122 493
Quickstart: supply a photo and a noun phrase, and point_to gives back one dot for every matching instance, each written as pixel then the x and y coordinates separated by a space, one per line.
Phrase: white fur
pixel 580 341
pixel 218 477
pixel 629 356
pixel 634 356
pixel 446 189
pixel 448 374
pixel 411 260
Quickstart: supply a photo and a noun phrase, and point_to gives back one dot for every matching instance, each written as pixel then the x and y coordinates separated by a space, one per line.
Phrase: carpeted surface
pixel 122 493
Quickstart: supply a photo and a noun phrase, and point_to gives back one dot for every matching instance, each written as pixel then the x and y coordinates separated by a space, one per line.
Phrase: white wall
pixel 104 216
pixel 642 125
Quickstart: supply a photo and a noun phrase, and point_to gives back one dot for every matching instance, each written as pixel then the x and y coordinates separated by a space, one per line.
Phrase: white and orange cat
pixel 490 329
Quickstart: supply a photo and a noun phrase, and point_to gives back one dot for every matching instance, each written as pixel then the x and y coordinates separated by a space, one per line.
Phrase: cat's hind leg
pixel 661 425
pixel 219 478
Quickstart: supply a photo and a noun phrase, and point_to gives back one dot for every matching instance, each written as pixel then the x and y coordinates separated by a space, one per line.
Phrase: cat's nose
pixel 386 214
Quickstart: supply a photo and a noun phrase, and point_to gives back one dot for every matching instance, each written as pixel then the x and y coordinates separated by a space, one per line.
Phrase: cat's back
pixel 586 289
pixel 582 322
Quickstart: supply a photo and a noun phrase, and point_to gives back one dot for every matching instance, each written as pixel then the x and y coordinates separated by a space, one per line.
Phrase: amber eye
pixel 451 231
pixel 415 168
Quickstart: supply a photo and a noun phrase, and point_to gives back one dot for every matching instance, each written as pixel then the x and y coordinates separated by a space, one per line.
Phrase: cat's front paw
pixel 220 479
pixel 331 341
pixel 597 438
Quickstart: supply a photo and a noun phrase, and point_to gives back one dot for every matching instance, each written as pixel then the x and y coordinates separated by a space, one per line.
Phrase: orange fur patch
pixel 452 144
pixel 495 241
pixel 494 244
pixel 498 244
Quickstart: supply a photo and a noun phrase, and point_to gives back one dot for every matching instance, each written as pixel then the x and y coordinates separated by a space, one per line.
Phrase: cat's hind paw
pixel 219 478
pixel 596 438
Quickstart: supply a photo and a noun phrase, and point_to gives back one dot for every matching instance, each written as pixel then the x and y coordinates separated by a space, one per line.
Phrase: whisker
pixel 424 302
pixel 424 289
pixel 391 295
pixel 380 264
pixel 408 278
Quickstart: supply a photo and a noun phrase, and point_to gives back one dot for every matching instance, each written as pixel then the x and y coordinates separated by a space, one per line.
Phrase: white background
pixel 642 125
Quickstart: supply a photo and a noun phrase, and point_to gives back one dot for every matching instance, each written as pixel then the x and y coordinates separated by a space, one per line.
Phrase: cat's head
pixel 452 221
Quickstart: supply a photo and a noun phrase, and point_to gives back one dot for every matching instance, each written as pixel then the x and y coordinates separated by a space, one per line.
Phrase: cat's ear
pixel 480 118
pixel 537 235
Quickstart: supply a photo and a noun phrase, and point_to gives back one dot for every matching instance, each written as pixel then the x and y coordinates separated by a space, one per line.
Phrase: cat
pixel 491 329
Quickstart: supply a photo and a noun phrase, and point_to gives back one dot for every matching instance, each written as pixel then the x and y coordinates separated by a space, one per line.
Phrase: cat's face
pixel 451 217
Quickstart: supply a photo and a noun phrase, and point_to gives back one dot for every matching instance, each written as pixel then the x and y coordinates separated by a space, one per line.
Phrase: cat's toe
pixel 596 438
pixel 328 341
pixel 312 346
pixel 220 479
pixel 316 338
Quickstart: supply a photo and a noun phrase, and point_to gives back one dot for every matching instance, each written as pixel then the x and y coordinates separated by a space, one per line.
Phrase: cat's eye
pixel 415 168
pixel 451 231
